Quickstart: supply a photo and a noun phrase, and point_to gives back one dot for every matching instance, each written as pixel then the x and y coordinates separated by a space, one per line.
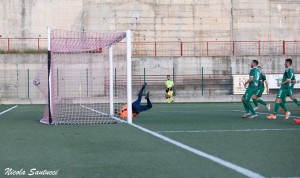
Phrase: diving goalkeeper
pixel 137 107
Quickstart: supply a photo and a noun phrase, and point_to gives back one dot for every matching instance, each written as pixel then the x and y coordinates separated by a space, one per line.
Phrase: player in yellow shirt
pixel 169 89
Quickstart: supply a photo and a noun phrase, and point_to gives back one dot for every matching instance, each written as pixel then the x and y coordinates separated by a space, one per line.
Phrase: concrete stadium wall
pixel 159 20
pixel 17 72
pixel 165 65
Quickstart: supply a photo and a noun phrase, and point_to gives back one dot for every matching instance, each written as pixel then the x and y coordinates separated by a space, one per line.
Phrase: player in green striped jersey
pixel 251 90
pixel 261 88
pixel 283 92
pixel 291 92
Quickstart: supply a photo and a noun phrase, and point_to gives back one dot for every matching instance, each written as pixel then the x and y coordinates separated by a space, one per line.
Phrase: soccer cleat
pixel 256 108
pixel 271 116
pixel 147 95
pixel 253 116
pixel 287 115
pixel 269 107
pixel 297 121
pixel 246 115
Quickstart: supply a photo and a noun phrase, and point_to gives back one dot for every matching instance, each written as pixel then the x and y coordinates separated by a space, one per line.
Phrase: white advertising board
pixel 273 80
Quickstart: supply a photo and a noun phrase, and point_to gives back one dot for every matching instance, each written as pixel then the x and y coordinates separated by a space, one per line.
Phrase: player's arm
pixel 267 86
pixel 248 81
pixel 251 75
pixel 285 82
pixel 265 82
pixel 294 82
pixel 117 112
pixel 288 80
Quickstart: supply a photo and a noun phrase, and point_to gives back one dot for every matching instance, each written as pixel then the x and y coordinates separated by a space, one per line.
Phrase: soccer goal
pixel 86 78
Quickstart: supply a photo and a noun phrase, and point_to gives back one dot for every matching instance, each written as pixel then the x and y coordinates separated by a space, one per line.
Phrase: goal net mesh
pixel 79 90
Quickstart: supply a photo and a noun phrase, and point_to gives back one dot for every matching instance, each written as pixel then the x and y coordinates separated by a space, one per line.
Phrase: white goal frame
pixel 111 78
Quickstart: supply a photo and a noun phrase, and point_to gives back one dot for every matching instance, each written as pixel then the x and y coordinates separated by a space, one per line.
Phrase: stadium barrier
pixel 18 84
pixel 152 49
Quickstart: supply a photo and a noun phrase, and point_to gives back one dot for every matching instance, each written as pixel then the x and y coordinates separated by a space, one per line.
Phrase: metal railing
pixel 18 84
pixel 152 49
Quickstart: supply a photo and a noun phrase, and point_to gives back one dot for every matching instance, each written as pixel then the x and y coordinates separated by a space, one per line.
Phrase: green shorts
pixel 260 92
pixel 291 91
pixel 282 93
pixel 249 93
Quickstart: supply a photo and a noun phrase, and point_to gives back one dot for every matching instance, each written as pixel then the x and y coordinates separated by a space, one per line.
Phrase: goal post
pixel 111 83
pixel 78 79
pixel 129 85
pixel 49 76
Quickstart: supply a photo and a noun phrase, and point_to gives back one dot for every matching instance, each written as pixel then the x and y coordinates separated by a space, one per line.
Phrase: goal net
pixel 86 78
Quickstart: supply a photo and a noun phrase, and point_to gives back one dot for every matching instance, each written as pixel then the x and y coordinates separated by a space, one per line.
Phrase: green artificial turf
pixel 120 150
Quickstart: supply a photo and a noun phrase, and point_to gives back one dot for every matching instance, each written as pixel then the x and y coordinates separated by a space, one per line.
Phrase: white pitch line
pixel 193 111
pixel 268 114
pixel 8 109
pixel 227 164
pixel 241 130
pixel 285 177
pixel 176 111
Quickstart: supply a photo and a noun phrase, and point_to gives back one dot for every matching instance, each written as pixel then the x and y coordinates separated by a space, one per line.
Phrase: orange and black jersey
pixel 123 112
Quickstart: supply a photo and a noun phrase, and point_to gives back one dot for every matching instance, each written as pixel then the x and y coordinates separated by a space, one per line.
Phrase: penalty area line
pixel 227 164
pixel 8 109
pixel 208 131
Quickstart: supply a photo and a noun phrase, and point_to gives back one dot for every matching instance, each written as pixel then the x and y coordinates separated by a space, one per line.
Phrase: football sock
pixel 255 102
pixel 245 106
pixel 250 107
pixel 296 101
pixel 277 105
pixel 283 107
pixel 262 102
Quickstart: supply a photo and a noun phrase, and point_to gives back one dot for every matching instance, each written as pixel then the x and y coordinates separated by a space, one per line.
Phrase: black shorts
pixel 168 89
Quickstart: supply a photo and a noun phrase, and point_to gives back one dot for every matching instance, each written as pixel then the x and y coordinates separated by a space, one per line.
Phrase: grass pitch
pixel 269 148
